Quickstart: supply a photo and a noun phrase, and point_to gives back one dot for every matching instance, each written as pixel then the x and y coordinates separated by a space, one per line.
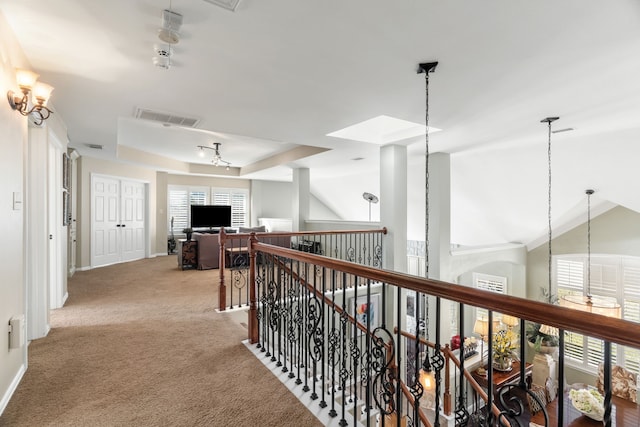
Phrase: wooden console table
pixel 501 379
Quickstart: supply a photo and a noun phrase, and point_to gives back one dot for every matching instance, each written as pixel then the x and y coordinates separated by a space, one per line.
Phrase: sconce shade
pixel 598 305
pixel 25 78
pixel 41 92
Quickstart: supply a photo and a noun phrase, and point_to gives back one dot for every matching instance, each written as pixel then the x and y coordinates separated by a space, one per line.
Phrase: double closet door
pixel 118 220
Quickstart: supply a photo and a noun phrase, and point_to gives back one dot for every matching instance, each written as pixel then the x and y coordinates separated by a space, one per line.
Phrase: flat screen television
pixel 210 216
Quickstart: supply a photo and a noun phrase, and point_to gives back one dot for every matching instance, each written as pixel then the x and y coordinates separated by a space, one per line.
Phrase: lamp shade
pixel 598 305
pixel 549 330
pixel 481 328
pixel 510 321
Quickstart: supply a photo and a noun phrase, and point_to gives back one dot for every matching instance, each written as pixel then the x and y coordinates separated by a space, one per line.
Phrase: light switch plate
pixel 17 200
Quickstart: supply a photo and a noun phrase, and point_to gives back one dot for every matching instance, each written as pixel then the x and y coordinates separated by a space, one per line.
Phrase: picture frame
pixel 367 311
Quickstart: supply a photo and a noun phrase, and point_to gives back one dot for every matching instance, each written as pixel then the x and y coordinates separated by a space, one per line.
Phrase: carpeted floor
pixel 140 344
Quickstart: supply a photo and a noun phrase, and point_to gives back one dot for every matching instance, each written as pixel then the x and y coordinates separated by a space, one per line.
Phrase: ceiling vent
pixel 227 4
pixel 94 146
pixel 171 23
pixel 168 118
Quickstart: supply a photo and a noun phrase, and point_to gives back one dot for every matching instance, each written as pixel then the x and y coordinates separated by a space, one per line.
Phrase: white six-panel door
pixel 132 222
pixel 117 220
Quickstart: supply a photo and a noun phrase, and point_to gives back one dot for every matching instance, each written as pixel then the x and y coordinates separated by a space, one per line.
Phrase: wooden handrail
pixel 594 325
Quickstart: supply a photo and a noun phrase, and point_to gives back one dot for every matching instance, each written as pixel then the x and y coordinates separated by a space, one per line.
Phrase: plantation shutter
pixel 489 283
pixel 180 200
pixel 237 199
pixel 611 277
pixel 178 209
pixel 631 309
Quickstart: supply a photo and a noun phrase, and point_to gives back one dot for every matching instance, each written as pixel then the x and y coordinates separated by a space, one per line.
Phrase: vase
pixel 503 363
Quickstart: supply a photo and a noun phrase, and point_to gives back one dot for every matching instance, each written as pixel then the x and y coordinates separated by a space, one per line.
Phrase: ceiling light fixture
pixel 599 305
pixel 428 376
pixel 40 93
pixel 217 157
pixel 171 23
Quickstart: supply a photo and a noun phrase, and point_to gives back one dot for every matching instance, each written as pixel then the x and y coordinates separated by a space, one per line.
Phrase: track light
pixel 40 93
pixel 217 157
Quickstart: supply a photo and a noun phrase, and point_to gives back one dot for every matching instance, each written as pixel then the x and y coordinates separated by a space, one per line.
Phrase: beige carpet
pixel 140 344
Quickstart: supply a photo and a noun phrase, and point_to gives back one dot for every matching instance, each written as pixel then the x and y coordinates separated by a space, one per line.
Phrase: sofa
pixel 208 254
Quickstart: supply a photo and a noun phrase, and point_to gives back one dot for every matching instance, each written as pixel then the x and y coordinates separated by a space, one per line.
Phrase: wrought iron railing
pixel 336 327
pixel 359 246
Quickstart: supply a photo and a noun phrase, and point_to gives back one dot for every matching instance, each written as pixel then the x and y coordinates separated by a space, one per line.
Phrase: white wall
pixel 13 128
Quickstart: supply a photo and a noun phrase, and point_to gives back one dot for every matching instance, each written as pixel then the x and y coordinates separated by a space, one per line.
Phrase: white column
pixel 440 236
pixel 440 217
pixel 301 198
pixel 393 205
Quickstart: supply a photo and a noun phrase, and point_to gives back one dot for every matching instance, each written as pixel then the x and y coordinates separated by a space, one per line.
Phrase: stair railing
pixel 333 325
pixel 359 246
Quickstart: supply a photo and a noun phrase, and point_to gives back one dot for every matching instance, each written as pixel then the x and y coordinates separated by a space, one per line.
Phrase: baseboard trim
pixel 12 388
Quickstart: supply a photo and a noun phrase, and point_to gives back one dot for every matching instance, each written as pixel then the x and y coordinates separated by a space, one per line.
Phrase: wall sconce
pixel 40 93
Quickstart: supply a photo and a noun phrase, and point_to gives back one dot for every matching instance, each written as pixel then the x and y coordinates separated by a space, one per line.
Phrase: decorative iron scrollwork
pixel 383 354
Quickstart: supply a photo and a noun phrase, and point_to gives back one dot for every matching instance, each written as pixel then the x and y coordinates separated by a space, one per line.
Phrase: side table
pixel 187 254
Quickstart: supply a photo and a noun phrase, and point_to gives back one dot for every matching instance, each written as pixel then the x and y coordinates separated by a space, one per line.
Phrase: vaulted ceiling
pixel 272 78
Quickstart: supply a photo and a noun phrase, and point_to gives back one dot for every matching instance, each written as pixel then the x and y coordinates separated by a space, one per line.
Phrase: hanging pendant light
pixel 599 305
pixel 427 376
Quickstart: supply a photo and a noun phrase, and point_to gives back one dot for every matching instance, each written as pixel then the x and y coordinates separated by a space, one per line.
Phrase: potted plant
pixel 542 338
pixel 188 231
pixel 504 345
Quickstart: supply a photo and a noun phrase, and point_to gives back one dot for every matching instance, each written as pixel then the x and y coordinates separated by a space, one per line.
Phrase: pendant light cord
pixel 549 209
pixel 589 193
pixel 548 121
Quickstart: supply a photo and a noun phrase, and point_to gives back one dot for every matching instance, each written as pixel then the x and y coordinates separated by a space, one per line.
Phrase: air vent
pixel 227 4
pixel 159 116
pixel 94 146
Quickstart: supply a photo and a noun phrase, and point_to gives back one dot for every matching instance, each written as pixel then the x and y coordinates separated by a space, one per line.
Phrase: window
pixel 491 283
pixel 180 199
pixel 611 276
pixel 238 199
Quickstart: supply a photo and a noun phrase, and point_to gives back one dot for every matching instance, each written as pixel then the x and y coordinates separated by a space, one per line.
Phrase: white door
pixel 57 231
pixel 105 220
pixel 118 220
pixel 132 230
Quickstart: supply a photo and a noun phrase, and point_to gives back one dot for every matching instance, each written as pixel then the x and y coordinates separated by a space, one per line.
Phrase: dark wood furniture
pixel 500 379
pixel 623 413
pixel 187 254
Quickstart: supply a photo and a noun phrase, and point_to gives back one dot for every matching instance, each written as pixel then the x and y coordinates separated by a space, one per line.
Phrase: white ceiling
pixel 279 74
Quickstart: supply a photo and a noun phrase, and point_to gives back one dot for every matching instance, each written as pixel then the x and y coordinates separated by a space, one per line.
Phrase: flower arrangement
pixel 589 402
pixel 504 345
